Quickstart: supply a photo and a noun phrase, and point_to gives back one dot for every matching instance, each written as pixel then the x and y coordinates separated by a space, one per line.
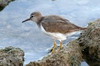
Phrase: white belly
pixel 57 36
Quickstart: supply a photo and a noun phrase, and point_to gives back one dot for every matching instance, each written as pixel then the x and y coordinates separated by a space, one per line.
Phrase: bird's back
pixel 58 24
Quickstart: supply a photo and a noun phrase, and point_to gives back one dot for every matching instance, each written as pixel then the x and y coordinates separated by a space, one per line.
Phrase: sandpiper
pixel 55 26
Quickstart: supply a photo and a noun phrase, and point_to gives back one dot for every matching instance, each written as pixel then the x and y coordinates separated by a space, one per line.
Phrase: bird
pixel 57 27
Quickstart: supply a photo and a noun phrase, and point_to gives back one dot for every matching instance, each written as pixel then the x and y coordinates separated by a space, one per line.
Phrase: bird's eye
pixel 32 16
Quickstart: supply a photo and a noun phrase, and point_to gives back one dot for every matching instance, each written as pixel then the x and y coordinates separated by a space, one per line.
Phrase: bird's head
pixel 35 16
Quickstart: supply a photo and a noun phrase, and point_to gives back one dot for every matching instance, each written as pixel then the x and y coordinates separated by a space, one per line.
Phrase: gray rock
pixel 11 56
pixel 70 55
pixel 4 3
pixel 90 43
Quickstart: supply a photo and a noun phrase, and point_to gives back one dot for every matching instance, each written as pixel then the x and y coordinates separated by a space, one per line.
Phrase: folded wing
pixel 58 25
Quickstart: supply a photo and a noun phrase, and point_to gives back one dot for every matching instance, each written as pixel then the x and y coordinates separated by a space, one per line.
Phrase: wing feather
pixel 58 25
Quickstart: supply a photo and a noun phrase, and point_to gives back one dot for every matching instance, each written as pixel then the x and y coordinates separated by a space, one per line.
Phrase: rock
pixel 70 55
pixel 90 43
pixel 86 47
pixel 4 3
pixel 11 56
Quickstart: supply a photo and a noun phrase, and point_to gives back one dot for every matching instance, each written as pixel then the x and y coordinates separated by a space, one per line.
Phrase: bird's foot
pixel 58 50
pixel 52 50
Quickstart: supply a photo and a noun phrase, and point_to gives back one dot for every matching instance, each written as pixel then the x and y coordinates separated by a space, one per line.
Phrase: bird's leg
pixel 55 44
pixel 53 49
pixel 60 44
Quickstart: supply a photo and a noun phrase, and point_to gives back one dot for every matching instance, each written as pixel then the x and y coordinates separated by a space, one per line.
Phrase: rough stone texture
pixel 66 57
pixel 86 47
pixel 90 43
pixel 11 56
pixel 4 3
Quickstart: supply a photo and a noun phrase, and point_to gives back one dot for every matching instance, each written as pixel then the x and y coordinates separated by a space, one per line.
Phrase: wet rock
pixel 11 56
pixel 4 3
pixel 86 47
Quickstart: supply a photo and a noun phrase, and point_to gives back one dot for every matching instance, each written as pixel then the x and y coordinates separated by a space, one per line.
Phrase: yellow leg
pixel 53 49
pixel 55 44
pixel 61 45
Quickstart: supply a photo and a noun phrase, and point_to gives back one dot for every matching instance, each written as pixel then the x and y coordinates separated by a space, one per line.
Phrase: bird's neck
pixel 39 21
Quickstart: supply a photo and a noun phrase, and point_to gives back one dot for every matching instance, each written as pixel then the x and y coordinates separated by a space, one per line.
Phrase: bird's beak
pixel 26 20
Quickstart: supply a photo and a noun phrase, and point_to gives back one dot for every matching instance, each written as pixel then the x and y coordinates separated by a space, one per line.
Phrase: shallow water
pixel 28 37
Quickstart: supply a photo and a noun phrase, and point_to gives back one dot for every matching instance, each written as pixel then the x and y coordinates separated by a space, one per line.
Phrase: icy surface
pixel 27 36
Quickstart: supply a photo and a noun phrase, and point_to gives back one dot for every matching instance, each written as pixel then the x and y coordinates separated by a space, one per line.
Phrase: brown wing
pixel 58 24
